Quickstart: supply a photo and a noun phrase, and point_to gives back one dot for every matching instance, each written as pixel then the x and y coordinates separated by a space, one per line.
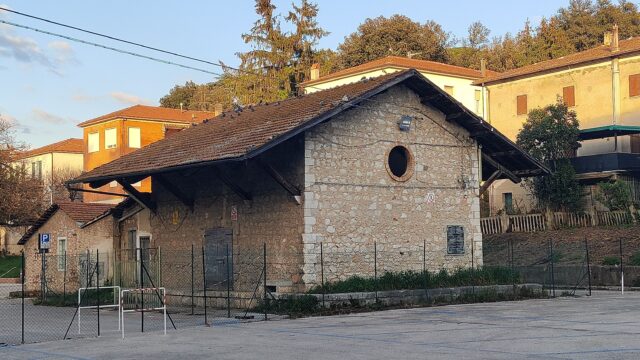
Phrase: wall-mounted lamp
pixel 405 123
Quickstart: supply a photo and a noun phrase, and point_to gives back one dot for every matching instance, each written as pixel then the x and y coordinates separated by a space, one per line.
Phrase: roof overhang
pixel 608 131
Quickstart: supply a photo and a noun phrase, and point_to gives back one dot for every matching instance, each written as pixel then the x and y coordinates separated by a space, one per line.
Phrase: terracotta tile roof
pixel 154 113
pixel 72 146
pixel 403 63
pixel 598 53
pixel 78 211
pixel 243 135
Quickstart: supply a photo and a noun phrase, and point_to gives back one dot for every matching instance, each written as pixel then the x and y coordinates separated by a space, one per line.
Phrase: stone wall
pixel 97 236
pixel 352 202
pixel 272 217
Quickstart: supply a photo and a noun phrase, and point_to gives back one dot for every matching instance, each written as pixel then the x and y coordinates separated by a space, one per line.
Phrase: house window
pixel 400 163
pixel 507 200
pixel 448 89
pixel 62 254
pixel 569 96
pixel 478 101
pixel 93 140
pixel 634 85
pixel 36 170
pixel 134 138
pixel 455 240
pixel 110 138
pixel 521 105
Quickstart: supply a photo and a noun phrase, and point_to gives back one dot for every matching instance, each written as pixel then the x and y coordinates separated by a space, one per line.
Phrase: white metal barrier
pixel 116 294
pixel 159 294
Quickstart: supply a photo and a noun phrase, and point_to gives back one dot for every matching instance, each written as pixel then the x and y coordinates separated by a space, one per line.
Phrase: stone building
pixel 388 164
pixel 73 229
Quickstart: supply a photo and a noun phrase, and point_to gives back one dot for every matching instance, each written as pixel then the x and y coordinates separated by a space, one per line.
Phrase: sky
pixel 49 84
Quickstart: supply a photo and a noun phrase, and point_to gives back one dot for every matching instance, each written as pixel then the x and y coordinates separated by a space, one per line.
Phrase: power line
pixel 219 64
pixel 110 48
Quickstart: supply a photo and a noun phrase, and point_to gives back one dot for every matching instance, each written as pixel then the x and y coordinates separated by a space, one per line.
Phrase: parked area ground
pixel 604 326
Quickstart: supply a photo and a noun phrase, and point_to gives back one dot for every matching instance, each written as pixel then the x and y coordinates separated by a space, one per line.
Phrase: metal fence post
pixel 264 279
pixel 204 287
pixel 192 280
pixel 621 269
pixel 22 296
pixel 375 267
pixel 513 278
pixel 141 293
pixel 228 284
pixel 64 280
pixel 586 248
pixel 553 275
pixel 87 283
pixel 425 277
pixel 98 285
pixel 322 274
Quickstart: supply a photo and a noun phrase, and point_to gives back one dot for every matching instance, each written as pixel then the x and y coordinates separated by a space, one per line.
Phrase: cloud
pixel 14 123
pixel 47 117
pixel 26 50
pixel 128 98
pixel 82 97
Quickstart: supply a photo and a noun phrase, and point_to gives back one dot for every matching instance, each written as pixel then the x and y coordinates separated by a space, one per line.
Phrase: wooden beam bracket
pixel 245 195
pixel 282 181
pixel 513 177
pixel 138 196
pixel 175 191
pixel 490 180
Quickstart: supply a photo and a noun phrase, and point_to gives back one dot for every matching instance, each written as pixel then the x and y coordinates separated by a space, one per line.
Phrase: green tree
pixel 550 135
pixel 180 94
pixel 615 195
pixel 397 35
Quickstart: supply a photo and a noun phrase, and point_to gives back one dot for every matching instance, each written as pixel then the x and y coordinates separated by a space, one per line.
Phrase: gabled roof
pixel 599 53
pixel 78 211
pixel 154 113
pixel 69 146
pixel 240 136
pixel 402 63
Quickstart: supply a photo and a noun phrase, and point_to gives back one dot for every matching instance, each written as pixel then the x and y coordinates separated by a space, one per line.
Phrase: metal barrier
pixel 159 292
pixel 117 304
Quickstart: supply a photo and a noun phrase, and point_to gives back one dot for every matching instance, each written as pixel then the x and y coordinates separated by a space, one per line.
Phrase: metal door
pixel 219 271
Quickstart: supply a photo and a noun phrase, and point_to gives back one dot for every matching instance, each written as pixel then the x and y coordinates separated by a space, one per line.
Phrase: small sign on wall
pixel 455 239
pixel 234 213
pixel 44 242
pixel 430 198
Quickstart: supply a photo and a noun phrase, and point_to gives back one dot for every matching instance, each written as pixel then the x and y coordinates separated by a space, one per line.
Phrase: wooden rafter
pixel 138 196
pixel 282 181
pixel 175 191
pixel 490 181
pixel 513 177
pixel 221 174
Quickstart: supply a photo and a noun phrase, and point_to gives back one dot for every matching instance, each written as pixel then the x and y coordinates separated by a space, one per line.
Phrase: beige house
pixel 602 85
pixel 455 80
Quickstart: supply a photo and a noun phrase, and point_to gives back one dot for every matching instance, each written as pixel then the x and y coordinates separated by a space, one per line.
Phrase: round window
pixel 400 163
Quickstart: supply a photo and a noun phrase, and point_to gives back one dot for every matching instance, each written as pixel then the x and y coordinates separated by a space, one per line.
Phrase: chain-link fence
pixel 58 296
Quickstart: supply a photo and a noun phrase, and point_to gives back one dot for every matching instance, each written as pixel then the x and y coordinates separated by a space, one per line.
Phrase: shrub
pixel 407 280
pixel 634 260
pixel 614 195
pixel 611 260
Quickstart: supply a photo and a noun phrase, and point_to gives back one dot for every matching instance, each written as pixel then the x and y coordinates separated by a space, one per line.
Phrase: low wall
pixel 571 275
pixel 406 297
pixel 10 280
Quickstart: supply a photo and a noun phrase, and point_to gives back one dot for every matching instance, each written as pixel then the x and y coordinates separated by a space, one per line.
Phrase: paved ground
pixel 605 326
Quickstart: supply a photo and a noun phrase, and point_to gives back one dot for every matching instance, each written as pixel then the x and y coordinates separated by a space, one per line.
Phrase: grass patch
pixel 410 280
pixel 10 266
pixel 90 298
pixel 611 260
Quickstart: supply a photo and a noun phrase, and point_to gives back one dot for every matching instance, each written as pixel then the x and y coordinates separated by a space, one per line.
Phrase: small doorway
pixel 219 258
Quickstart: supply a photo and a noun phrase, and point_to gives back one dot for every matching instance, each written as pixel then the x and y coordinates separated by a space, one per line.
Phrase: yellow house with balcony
pixel 602 85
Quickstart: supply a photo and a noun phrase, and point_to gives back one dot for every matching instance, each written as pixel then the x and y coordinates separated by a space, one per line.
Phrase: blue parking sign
pixel 45 241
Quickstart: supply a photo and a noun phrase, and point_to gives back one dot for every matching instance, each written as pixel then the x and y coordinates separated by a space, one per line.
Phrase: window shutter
pixel 521 104
pixel 134 137
pixel 110 140
pixel 569 96
pixel 634 85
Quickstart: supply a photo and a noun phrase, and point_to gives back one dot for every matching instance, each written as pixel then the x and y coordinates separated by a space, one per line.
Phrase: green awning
pixel 607 131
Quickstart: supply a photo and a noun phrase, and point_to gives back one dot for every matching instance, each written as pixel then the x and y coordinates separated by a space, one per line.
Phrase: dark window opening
pixel 399 161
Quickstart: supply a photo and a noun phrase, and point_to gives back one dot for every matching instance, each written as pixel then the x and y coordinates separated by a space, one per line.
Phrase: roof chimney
pixel 483 67
pixel 615 38
pixel 315 71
